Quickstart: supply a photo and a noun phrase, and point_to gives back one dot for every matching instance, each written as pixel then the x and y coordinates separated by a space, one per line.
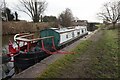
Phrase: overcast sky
pixel 83 9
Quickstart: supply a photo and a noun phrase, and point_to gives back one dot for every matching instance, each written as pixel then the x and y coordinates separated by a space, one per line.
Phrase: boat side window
pixel 78 33
pixel 72 34
pixel 82 31
pixel 66 36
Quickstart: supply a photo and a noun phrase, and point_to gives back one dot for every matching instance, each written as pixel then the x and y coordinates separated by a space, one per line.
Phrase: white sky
pixel 83 9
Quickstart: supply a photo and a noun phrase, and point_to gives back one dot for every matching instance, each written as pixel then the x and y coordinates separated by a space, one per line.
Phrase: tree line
pixel 110 12
pixel 35 9
pixel 8 16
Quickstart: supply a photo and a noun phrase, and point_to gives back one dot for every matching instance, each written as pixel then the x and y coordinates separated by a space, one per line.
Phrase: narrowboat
pixel 26 50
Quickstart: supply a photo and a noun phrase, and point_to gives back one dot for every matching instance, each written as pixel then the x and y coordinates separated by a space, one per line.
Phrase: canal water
pixel 5 39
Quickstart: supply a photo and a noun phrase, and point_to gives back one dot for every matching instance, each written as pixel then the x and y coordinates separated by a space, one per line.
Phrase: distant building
pixel 80 23
pixel 92 26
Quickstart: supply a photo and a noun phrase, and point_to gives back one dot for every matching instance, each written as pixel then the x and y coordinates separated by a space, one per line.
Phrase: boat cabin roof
pixel 69 29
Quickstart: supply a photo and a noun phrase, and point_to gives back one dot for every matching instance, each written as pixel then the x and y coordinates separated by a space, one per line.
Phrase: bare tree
pixel 2 3
pixel 3 10
pixel 111 12
pixel 1 6
pixel 33 8
pixel 66 18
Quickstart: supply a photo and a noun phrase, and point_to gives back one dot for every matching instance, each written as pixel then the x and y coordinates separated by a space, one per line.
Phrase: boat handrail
pixel 30 40
pixel 28 35
pixel 17 35
pixel 23 39
pixel 42 38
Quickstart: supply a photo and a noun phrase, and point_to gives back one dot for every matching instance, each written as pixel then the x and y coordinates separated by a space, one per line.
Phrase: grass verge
pixel 105 58
pixel 55 68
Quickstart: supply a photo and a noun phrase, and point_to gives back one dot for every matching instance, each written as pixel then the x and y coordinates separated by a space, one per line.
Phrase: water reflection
pixel 5 39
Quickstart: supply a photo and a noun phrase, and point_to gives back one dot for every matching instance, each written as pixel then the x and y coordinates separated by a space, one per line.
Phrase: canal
pixel 5 40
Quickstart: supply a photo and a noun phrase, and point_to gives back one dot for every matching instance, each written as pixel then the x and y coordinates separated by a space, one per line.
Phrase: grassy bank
pixel 102 62
pixel 12 27
pixel 105 58
pixel 63 63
